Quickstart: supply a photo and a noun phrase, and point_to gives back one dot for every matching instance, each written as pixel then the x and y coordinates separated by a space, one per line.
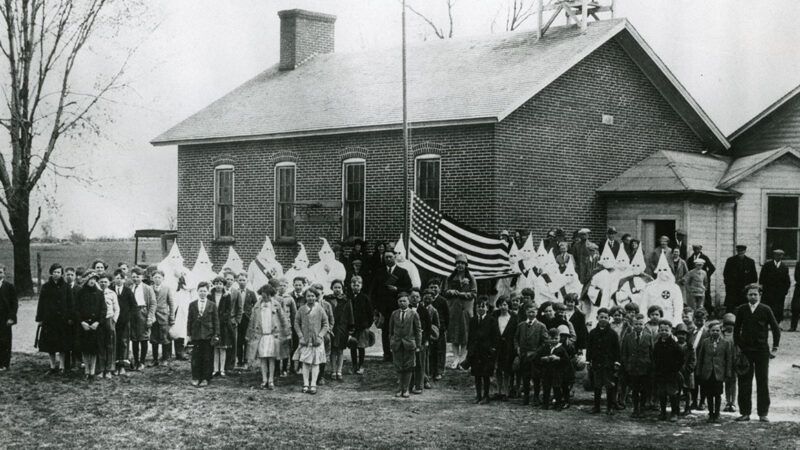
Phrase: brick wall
pixel 553 152
pixel 304 34
pixel 466 153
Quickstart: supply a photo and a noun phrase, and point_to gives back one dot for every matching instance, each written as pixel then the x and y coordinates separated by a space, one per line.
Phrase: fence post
pixel 39 272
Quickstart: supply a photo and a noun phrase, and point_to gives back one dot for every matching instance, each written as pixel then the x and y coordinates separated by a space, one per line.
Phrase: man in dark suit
pixel 739 271
pixel 774 279
pixel 754 321
pixel 237 300
pixel 8 318
pixel 611 241
pixel 127 307
pixel 680 243
pixel 795 300
pixel 249 300
pixel 387 282
pixel 708 268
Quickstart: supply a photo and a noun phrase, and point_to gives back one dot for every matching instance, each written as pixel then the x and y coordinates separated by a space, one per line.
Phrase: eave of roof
pixel 745 166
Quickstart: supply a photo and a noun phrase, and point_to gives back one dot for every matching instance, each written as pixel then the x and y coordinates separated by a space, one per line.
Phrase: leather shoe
pixel 742 419
pixel 763 419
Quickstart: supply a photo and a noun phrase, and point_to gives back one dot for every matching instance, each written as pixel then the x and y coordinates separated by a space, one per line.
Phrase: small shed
pixel 167 237
pixel 719 202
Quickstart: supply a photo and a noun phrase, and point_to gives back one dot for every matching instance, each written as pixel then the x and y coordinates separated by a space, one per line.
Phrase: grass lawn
pixel 158 408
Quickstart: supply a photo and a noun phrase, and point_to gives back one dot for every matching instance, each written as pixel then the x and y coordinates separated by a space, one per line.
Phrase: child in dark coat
pixel 483 337
pixel 714 366
pixel 687 371
pixel 551 358
pixel 602 356
pixel 668 360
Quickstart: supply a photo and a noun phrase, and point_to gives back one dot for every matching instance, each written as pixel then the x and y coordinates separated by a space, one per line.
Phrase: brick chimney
pixel 303 35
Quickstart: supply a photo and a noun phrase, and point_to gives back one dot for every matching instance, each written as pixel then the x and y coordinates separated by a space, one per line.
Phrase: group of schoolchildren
pixel 642 361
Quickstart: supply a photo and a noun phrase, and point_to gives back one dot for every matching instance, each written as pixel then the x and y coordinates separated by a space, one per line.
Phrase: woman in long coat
pixel 227 325
pixel 460 291
pixel 90 308
pixel 54 316
pixel 342 328
pixel 267 330
pixel 507 327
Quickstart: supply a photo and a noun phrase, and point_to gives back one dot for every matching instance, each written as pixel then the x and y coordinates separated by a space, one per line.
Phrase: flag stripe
pixel 436 239
pixel 444 261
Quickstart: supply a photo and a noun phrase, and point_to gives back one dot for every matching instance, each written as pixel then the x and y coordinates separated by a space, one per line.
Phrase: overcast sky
pixel 734 57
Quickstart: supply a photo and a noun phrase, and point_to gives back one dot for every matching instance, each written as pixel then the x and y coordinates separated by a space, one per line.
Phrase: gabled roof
pixel 456 81
pixel 671 172
pixel 767 112
pixel 745 166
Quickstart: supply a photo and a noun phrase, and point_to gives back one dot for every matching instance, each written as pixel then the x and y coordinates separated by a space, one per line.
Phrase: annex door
pixel 653 229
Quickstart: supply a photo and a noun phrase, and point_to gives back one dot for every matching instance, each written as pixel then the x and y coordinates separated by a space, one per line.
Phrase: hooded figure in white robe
pixel 173 268
pixel 400 258
pixel 300 267
pixel 572 285
pixel 602 285
pixel 234 263
pixel 328 268
pixel 507 285
pixel 664 292
pixel 264 267
pixel 530 262
pixel 631 288
pixel 203 269
pixel 550 281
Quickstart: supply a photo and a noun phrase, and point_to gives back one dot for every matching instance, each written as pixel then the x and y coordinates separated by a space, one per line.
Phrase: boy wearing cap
pixel 668 360
pixel 686 385
pixel 728 324
pixel 695 283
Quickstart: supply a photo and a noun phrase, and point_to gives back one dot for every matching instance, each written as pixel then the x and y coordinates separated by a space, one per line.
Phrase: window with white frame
pixel 284 199
pixel 353 197
pixel 223 201
pixel 427 175
pixel 783 225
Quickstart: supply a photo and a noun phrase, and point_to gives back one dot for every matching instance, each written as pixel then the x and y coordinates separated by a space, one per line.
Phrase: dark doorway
pixel 653 229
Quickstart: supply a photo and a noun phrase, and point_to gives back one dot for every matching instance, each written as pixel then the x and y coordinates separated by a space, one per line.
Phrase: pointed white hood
pixel 203 270
pixel 607 259
pixel 267 253
pixel 527 252
pixel 400 253
pixel 663 271
pixel 637 264
pixel 234 262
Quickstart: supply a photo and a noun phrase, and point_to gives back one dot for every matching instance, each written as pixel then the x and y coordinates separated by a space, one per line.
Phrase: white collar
pixel 753 307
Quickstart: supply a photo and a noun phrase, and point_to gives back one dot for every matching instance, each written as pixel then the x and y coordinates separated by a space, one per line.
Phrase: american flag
pixel 435 240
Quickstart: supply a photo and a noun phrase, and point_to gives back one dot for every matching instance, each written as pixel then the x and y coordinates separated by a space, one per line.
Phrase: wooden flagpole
pixel 406 210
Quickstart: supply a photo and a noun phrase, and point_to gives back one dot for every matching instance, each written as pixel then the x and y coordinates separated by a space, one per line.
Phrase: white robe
pixel 336 271
pixel 667 295
pixel 601 284
pixel 413 273
pixel 257 278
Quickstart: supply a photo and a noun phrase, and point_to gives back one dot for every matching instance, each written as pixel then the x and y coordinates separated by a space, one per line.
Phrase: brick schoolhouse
pixel 508 131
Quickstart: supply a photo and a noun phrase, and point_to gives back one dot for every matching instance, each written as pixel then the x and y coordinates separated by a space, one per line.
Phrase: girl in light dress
pixel 268 330
pixel 311 326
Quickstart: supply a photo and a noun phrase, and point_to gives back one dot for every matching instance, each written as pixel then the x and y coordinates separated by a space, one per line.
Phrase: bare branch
pixel 8 231
pixel 438 31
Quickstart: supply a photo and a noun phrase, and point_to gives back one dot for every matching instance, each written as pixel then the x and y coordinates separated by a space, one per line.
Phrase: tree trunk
pixel 19 221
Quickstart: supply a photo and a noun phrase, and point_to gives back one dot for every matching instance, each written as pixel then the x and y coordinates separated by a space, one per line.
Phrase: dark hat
pixel 553 332
pixel 611 230
pixel 741 247
pixel 680 232
pixel 699 246
pixel 91 274
pixel 778 251
pixel 681 329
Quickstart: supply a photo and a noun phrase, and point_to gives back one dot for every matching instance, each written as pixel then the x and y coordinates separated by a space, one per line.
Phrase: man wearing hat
pixel 680 242
pixel 774 278
pixel 739 271
pixel 611 241
pixel 655 255
pixel 708 268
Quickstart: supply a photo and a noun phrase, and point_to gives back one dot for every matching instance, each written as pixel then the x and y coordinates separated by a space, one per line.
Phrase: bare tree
pixel 439 31
pixel 41 41
pixel 516 13
pixel 172 218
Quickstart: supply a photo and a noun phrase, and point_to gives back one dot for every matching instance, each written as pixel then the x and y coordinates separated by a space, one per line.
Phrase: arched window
pixel 284 199
pixel 223 201
pixel 353 197
pixel 427 176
